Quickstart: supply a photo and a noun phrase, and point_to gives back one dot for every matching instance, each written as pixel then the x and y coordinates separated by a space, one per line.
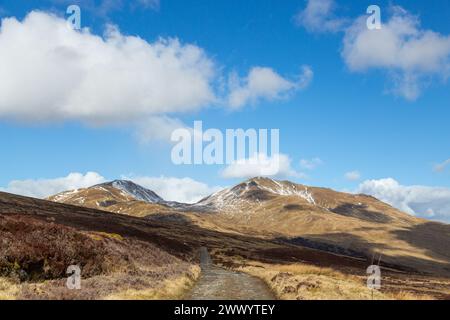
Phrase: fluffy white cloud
pixel 261 166
pixel 264 83
pixel 318 16
pixel 422 201
pixel 51 72
pixel 442 166
pixel 116 79
pixel 353 175
pixel 43 188
pixel 409 54
pixel 310 164
pixel 185 190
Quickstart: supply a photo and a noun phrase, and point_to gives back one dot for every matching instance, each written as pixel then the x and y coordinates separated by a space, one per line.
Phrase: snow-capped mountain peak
pixel 134 190
pixel 256 190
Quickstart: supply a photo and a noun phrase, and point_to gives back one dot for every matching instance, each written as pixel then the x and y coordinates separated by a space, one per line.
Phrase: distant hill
pixel 323 219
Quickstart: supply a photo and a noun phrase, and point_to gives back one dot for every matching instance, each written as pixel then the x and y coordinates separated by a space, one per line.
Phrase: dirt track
pixel 220 284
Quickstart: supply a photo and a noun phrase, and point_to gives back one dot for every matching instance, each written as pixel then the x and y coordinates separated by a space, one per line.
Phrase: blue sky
pixel 361 112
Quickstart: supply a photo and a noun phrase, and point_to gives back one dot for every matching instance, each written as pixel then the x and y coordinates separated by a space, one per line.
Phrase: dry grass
pixel 171 289
pixel 171 282
pixel 298 281
pixel 406 295
pixel 8 289
pixel 303 282
pixel 102 235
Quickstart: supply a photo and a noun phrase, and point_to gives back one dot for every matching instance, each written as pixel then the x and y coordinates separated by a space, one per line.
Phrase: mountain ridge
pixel 300 215
pixel 141 193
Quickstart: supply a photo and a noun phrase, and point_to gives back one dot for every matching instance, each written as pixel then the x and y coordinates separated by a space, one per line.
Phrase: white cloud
pixel 422 201
pixel 442 166
pixel 185 190
pixel 261 166
pixel 264 83
pixel 318 16
pixel 158 128
pixel 43 188
pixel 410 55
pixel 161 128
pixel 70 75
pixel 116 79
pixel 353 175
pixel 310 164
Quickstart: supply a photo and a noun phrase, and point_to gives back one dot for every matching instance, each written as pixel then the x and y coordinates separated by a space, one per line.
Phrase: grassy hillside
pixel 151 254
pixel 41 239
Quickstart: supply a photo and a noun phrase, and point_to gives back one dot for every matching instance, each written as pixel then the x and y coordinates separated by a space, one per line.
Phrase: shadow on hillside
pixel 358 247
pixel 361 212
pixel 433 237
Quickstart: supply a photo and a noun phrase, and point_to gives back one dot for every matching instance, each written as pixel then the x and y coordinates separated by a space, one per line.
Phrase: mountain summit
pixel 134 190
pixel 119 196
pixel 117 189
pixel 256 190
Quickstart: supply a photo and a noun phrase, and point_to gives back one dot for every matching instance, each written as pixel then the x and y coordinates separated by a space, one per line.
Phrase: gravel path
pixel 219 284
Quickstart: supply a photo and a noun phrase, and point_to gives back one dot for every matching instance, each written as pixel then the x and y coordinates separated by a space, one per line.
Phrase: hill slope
pixel 156 256
pixel 318 217
pixel 118 196
pixel 118 255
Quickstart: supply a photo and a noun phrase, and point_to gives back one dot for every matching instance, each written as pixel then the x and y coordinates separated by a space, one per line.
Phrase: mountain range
pixel 354 225
pixel 303 242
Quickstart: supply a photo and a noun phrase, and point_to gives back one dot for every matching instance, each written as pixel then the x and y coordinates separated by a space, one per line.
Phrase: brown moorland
pixel 277 231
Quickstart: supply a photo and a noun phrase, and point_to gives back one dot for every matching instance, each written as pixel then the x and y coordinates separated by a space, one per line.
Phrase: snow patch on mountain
pixel 228 198
pixel 290 189
pixel 61 197
pixel 240 199
pixel 235 198
pixel 129 188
